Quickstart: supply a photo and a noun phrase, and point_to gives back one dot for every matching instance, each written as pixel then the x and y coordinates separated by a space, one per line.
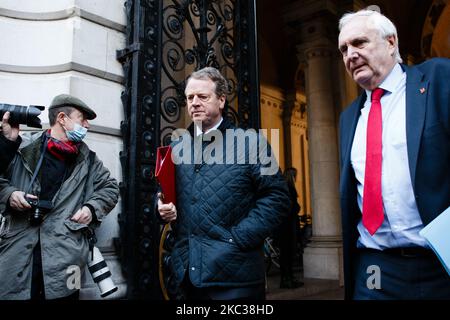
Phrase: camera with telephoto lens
pixel 22 114
pixel 39 209
pixel 100 273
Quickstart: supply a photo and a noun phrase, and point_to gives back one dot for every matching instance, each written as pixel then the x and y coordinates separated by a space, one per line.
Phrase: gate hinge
pixel 122 54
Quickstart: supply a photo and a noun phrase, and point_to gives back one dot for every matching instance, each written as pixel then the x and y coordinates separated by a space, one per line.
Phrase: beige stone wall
pixel 299 149
pixel 273 101
pixel 69 46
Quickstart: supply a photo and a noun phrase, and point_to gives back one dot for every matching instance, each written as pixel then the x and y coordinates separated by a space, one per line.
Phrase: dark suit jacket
pixel 428 144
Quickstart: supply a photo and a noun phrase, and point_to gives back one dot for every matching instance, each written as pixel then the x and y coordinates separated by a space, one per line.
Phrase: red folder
pixel 165 173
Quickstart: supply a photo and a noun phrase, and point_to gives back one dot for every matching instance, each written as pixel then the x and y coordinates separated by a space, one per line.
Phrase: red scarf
pixel 61 150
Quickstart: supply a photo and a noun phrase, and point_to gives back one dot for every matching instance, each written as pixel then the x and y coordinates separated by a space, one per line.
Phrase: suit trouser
pixel 410 273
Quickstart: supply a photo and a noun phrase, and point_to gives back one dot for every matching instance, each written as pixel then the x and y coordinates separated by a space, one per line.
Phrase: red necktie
pixel 372 201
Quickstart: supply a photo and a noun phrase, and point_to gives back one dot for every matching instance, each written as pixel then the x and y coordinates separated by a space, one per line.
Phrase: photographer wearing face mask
pixel 50 201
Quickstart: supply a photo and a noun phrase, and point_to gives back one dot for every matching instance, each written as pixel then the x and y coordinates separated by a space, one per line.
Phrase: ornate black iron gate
pixel 166 40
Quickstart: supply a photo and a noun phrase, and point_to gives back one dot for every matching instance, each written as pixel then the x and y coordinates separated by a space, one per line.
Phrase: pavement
pixel 313 289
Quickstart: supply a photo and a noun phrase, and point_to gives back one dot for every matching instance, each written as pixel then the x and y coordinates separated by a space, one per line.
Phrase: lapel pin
pixel 422 90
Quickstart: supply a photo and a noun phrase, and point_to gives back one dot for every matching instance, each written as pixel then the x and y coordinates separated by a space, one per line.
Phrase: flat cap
pixel 66 100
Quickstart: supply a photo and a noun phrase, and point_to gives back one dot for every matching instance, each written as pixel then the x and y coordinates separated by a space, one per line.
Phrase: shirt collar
pixel 199 131
pixel 392 81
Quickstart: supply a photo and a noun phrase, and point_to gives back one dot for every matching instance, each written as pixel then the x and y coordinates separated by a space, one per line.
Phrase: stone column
pixel 322 256
pixel 315 24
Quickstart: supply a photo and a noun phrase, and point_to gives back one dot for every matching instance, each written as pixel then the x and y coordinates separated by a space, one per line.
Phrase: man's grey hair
pixel 215 76
pixel 380 22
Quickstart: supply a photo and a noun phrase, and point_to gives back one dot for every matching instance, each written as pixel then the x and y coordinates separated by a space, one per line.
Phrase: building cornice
pixel 62 15
pixel 70 66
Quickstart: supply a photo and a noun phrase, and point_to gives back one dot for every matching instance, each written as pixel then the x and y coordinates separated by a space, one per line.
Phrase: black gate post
pixel 139 230
pixel 247 64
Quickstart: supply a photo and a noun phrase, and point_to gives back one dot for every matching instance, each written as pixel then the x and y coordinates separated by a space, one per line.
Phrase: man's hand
pixel 168 212
pixel 11 132
pixel 18 202
pixel 83 215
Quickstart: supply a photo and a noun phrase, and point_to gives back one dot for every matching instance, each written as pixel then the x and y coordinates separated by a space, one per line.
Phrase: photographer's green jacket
pixel 63 243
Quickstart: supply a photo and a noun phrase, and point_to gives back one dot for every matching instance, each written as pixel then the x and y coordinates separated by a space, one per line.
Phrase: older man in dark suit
pixel 395 155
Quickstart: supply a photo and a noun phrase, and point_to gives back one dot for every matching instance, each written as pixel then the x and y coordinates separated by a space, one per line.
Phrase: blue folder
pixel 437 234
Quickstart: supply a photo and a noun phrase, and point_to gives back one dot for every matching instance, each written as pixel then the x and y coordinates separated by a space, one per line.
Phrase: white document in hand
pixel 437 234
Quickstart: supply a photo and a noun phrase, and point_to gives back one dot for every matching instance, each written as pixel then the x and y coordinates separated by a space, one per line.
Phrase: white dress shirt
pixel 402 221
pixel 199 132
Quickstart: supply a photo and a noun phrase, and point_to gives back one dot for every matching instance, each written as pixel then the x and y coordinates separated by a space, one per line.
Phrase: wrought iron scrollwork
pixel 201 33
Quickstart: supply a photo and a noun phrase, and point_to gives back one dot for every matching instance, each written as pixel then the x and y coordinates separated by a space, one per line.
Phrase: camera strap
pixel 92 240
pixel 39 164
pixel 90 233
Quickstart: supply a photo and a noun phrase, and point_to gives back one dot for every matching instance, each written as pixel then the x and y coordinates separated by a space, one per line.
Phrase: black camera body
pixel 39 209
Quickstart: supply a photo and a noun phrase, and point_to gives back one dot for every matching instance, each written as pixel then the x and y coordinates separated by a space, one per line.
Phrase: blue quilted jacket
pixel 225 211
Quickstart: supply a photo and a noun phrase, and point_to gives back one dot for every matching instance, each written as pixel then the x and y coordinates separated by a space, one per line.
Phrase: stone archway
pixel 435 41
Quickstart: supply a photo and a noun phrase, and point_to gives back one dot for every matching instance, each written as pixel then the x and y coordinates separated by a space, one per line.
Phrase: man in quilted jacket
pixel 230 197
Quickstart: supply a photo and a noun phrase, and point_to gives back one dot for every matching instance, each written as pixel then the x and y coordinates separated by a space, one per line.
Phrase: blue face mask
pixel 77 134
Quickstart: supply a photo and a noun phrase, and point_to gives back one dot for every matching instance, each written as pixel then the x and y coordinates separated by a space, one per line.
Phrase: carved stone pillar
pixel 315 23
pixel 322 257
